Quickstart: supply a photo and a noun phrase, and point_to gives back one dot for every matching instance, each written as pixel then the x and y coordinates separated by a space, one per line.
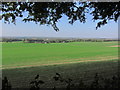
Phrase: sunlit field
pixel 17 55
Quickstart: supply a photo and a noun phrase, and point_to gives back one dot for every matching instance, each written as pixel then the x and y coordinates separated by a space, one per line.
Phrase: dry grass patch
pixel 115 46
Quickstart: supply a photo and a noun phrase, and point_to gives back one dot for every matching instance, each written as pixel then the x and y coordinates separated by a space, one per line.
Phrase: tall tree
pixel 49 13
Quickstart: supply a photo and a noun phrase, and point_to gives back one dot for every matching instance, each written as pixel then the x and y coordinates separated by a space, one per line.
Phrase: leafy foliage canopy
pixel 49 13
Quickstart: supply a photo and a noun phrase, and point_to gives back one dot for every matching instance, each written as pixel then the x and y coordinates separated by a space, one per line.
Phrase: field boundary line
pixel 25 66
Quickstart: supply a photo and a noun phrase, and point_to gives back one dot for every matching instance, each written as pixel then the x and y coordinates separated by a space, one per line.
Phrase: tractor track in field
pixel 58 63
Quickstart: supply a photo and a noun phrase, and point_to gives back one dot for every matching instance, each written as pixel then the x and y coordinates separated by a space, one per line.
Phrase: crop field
pixel 22 61
pixel 35 54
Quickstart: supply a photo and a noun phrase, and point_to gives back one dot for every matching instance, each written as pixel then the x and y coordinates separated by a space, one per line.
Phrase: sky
pixel 77 30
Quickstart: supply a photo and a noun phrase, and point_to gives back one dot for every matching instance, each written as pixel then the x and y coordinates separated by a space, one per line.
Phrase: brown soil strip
pixel 115 46
pixel 109 42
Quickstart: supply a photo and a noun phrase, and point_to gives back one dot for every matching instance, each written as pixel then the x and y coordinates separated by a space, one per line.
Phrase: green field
pixel 28 54
pixel 22 61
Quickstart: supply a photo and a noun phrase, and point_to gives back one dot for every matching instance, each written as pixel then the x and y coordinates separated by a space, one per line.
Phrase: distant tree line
pixel 45 41
pixel 55 40
pixel 10 40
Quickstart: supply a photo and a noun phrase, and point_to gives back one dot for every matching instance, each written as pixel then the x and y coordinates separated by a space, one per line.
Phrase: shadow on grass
pixel 98 82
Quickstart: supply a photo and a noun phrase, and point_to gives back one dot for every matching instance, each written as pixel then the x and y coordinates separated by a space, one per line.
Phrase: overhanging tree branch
pixel 48 13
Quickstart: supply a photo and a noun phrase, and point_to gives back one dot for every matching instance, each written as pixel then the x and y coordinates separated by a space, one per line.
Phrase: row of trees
pixel 56 40
pixel 10 40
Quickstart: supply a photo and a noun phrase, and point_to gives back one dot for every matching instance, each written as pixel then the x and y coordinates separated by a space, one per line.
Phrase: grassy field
pixel 34 54
pixel 22 61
